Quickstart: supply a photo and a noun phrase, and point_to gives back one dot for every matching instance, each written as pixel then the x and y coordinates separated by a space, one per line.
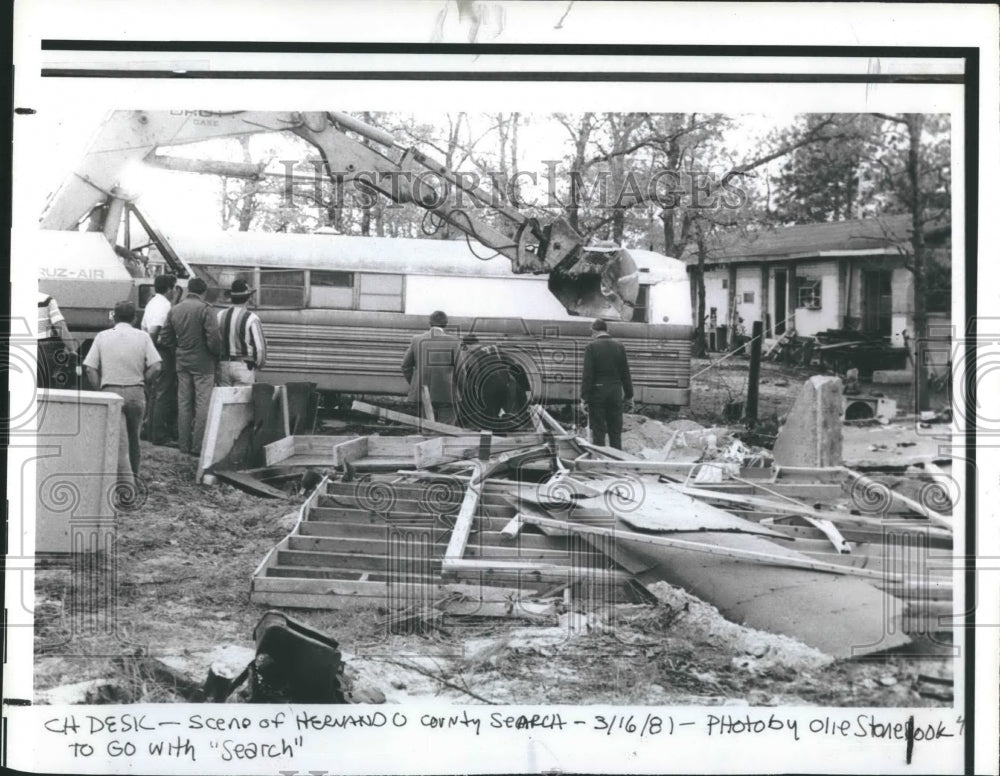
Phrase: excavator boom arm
pixel 599 284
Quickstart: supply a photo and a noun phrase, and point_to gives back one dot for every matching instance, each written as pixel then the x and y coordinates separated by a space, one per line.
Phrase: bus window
pixel 640 313
pixel 220 279
pixel 381 292
pixel 331 290
pixel 282 288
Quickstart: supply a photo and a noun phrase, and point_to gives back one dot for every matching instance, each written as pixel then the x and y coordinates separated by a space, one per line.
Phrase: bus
pixel 339 311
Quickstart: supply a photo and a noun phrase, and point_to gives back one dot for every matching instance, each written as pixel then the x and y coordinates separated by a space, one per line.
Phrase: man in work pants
pixel 193 330
pixel 121 361
pixel 161 404
pixel 57 351
pixel 430 363
pixel 606 385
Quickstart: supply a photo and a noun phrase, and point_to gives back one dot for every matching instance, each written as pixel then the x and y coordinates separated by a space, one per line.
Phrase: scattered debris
pixel 488 525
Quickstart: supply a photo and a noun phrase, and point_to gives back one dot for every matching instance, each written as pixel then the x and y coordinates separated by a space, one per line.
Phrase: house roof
pixel 878 235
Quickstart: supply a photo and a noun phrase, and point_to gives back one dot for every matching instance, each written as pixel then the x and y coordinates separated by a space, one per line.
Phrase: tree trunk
pixel 699 347
pixel 914 127
pixel 248 198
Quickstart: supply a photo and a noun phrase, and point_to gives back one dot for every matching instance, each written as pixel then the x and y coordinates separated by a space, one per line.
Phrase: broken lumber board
pixel 828 529
pixel 936 518
pixel 856 533
pixel 249 484
pixel 303 446
pixel 803 510
pixel 276 452
pixel 347 452
pixel 669 468
pixel 533 571
pixel 428 405
pixel 548 420
pixel 607 452
pixel 466 514
pixel 409 420
pixel 810 474
pixel 429 453
pixel 510 531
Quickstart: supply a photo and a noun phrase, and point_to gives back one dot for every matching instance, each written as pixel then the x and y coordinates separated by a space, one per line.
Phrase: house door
pixel 780 300
pixel 876 301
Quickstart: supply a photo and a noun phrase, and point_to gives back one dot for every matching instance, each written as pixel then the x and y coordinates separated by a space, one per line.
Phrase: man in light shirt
pixel 121 361
pixel 244 350
pixel 161 405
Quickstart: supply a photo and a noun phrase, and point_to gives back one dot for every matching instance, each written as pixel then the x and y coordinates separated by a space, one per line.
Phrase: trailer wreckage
pixel 451 522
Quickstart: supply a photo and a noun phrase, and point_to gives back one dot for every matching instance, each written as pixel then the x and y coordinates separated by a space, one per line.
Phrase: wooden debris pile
pixel 460 523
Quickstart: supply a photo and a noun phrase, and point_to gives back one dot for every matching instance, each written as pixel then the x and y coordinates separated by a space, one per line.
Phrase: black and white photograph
pixel 493 392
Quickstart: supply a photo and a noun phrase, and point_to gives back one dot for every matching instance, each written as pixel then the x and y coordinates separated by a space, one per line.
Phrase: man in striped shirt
pixel 243 347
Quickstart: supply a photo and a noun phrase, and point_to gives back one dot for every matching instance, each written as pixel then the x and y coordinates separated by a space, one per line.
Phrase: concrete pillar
pixel 813 434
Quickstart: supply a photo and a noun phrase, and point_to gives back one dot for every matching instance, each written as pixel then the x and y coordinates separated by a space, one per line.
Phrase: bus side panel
pixel 355 352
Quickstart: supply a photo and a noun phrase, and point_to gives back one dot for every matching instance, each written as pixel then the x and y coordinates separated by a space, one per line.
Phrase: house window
pixel 331 290
pixel 748 297
pixel 282 288
pixel 809 293
pixel 725 283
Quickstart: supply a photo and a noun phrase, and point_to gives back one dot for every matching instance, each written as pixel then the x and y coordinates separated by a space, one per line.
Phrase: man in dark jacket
pixel 430 362
pixel 607 385
pixel 192 328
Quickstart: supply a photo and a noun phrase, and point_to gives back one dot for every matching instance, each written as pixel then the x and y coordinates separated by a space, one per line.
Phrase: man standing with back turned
pixel 192 328
pixel 607 385
pixel 161 405
pixel 121 361
pixel 430 362
pixel 243 347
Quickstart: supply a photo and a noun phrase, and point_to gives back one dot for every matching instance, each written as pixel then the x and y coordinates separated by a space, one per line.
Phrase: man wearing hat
pixel 606 385
pixel 243 349
pixel 192 329
pixel 121 361
pixel 430 361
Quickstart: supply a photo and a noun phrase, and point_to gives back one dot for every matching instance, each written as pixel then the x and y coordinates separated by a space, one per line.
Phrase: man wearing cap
pixel 161 404
pixel 430 362
pixel 121 360
pixel 192 329
pixel 606 385
pixel 243 349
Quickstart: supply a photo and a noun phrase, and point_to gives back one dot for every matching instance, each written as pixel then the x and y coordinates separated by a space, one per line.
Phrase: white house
pixel 814 277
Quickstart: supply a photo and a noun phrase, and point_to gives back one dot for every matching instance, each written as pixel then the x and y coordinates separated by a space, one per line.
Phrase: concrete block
pixel 813 433
pixel 892 376
pixel 77 471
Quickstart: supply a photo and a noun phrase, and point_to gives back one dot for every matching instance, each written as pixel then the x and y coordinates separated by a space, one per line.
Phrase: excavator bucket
pixel 597 282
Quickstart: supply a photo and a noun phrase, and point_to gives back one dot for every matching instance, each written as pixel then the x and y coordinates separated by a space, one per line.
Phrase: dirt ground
pixel 180 585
